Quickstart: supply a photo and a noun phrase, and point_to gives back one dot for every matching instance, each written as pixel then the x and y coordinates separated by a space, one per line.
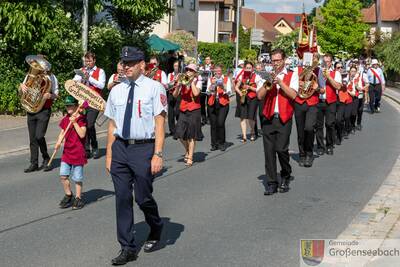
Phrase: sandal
pixel 185 158
pixel 243 140
pixel 189 162
pixel 252 138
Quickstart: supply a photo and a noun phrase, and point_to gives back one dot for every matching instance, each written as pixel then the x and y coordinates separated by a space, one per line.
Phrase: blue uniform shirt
pixel 149 100
pixel 371 76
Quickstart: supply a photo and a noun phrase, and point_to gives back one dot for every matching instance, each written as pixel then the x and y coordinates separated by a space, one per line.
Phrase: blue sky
pixel 280 6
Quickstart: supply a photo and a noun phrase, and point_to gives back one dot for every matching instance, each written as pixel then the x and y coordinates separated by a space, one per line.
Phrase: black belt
pixel 322 100
pixel 136 141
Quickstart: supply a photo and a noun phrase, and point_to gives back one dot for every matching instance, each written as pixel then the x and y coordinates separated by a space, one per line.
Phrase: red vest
pixel 285 104
pixel 95 75
pixel 252 82
pixel 157 76
pixel 188 100
pixel 49 102
pixel 312 100
pixel 330 91
pixel 222 96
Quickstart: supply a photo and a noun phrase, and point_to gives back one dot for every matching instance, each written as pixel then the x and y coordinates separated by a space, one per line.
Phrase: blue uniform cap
pixel 130 53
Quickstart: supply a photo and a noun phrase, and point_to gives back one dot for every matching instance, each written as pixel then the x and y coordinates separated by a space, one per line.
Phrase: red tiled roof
pixel 390 11
pixel 249 17
pixel 290 18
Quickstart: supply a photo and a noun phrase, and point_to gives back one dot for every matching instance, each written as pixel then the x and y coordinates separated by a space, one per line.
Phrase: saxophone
pixel 38 83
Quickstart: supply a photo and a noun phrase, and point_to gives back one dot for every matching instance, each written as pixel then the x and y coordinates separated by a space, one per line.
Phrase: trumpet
pixel 151 70
pixel 185 79
pixel 269 78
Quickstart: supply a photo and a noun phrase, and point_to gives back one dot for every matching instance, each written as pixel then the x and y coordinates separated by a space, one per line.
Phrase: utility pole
pixel 378 20
pixel 85 25
pixel 238 4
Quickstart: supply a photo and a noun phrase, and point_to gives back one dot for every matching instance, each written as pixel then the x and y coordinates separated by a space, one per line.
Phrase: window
pixel 226 14
pixel 193 5
pixel 223 38
pixel 179 3
pixel 281 25
pixel 297 19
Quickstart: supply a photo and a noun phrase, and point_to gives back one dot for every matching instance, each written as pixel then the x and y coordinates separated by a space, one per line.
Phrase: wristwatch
pixel 158 154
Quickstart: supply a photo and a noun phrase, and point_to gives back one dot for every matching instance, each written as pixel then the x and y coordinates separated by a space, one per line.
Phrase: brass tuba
pixel 38 82
pixel 309 79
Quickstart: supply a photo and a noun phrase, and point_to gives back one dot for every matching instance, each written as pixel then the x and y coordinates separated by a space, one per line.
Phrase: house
pixel 217 20
pixel 251 19
pixel 283 22
pixel 184 17
pixel 390 17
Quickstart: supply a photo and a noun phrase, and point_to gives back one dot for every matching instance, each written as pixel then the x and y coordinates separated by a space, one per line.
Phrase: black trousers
pixel 172 112
pixel 37 127
pixel 360 110
pixel 354 111
pixel 306 119
pixel 326 113
pixel 375 93
pixel 91 139
pixel 276 139
pixel 131 171
pixel 203 103
pixel 217 115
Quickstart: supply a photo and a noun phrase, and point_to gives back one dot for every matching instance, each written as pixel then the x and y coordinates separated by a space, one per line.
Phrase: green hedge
pixel 220 53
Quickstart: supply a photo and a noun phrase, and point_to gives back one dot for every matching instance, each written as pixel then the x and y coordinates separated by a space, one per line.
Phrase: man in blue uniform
pixel 137 111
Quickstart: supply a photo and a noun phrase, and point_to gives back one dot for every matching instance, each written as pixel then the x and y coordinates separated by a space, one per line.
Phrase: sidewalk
pixel 14 137
pixel 380 218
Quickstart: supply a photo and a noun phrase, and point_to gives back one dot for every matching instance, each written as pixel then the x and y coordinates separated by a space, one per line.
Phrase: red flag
pixel 303 41
pixel 313 40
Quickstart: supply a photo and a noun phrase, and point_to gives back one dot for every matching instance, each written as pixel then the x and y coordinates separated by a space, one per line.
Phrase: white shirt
pixel 374 80
pixel 149 100
pixel 227 86
pixel 100 83
pixel 164 80
pixel 322 81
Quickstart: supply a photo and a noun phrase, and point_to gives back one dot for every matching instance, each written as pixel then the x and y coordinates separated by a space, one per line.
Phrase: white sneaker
pixel 378 109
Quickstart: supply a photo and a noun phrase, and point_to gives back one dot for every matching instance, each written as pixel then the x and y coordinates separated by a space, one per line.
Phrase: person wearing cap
pixel 95 78
pixel 188 127
pixel 37 126
pixel 136 112
pixel 74 156
pixel 376 81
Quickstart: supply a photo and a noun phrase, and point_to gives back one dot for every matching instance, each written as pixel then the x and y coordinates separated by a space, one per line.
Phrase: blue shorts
pixel 74 172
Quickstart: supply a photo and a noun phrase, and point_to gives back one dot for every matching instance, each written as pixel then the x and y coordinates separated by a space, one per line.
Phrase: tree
pixel 286 42
pixel 341 28
pixel 388 52
pixel 185 39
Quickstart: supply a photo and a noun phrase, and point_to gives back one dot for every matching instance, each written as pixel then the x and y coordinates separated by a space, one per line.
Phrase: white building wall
pixel 182 18
pixel 208 22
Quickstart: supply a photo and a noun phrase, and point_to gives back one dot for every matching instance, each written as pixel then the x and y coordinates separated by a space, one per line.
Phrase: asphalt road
pixel 215 212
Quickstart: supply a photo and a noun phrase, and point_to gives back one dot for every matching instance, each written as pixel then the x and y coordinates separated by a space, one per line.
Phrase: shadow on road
pixel 94 195
pixel 171 232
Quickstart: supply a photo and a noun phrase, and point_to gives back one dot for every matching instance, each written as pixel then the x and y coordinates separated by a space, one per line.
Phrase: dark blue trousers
pixel 131 171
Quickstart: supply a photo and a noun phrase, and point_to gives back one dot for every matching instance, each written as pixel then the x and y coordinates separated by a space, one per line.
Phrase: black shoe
pixel 78 204
pixel 271 189
pixel 124 257
pixel 329 151
pixel 309 161
pixel 96 153
pixel 67 201
pixel 301 161
pixel 222 147
pixel 153 241
pixel 358 127
pixel 346 136
pixel 213 148
pixel 31 168
pixel 88 154
pixel 284 187
pixel 353 131
pixel 45 166
pixel 338 142
pixel 320 151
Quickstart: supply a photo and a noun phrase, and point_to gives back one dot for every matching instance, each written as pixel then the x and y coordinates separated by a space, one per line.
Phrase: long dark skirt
pixel 248 110
pixel 189 126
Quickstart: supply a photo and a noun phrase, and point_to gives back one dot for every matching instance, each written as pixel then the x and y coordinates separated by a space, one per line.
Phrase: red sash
pixel 376 75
